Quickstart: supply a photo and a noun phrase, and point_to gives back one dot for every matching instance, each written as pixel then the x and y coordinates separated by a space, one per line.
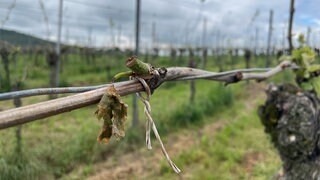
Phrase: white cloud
pixel 177 21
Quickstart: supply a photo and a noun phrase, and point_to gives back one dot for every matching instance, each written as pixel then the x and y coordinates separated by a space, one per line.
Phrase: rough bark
pixel 291 118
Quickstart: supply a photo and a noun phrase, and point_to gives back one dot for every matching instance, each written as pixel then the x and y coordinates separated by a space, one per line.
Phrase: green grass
pixel 227 154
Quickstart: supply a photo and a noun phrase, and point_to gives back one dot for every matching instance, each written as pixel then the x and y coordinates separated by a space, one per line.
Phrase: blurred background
pixel 211 131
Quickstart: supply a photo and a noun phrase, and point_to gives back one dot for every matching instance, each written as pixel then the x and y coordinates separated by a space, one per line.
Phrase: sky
pixel 165 23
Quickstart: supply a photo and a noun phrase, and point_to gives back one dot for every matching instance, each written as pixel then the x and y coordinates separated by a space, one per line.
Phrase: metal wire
pixel 64 90
pixel 45 91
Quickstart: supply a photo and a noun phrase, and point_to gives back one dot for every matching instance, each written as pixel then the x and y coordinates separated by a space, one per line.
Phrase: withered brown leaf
pixel 114 113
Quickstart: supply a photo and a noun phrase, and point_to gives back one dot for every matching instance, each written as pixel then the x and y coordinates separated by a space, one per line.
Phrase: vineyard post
pixel 247 57
pixel 153 39
pixel 51 60
pixel 135 117
pixel 192 64
pixel 17 103
pixel 4 52
pixel 153 35
pixel 204 36
pixel 233 54
pixel 291 12
pixel 256 44
pixel 283 43
pixel 218 51
pixel 204 57
pixel 58 50
pixel 268 61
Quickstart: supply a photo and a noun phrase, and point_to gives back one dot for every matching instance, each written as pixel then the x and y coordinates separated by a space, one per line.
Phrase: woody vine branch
pixel 17 116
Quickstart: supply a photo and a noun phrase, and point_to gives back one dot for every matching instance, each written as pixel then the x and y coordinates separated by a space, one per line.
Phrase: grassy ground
pixel 61 145
pixel 239 150
pixel 229 145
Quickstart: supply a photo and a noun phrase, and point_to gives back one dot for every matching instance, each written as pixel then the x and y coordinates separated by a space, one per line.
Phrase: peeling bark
pixel 291 118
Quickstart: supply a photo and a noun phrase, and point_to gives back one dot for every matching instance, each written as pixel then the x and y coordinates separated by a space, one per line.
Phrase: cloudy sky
pixel 163 22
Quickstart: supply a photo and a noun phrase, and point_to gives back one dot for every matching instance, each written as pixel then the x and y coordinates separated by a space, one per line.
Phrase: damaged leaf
pixel 114 113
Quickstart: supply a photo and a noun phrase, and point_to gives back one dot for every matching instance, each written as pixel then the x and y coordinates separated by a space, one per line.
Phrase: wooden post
pixel 218 51
pixel 17 103
pixel 192 64
pixel 15 57
pixel 153 35
pixel 204 57
pixel 4 52
pixel 204 48
pixel 268 61
pixel 290 26
pixel 58 49
pixel 256 44
pixel 182 51
pixel 247 56
pixel 231 57
pixel 283 40
pixel 52 60
pixel 135 115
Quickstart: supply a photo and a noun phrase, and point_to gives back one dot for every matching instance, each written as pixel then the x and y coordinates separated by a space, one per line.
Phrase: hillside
pixel 20 39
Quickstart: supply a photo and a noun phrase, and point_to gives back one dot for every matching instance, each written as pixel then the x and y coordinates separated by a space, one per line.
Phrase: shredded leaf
pixel 114 113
